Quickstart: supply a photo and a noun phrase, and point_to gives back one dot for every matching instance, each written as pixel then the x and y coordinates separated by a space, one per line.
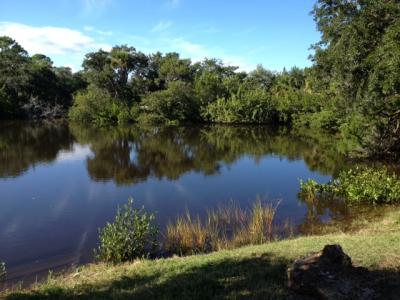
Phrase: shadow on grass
pixel 259 277
pixel 253 278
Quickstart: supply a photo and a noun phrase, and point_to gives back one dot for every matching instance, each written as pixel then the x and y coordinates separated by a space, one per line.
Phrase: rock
pixel 329 274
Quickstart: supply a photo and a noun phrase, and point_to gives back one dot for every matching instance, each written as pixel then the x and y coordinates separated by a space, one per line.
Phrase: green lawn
pixel 254 272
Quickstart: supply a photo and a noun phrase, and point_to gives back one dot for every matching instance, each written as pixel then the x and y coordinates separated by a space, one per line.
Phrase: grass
pixel 228 226
pixel 252 272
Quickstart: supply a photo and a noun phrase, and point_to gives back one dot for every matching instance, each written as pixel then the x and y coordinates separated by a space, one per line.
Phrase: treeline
pixel 31 87
pixel 352 88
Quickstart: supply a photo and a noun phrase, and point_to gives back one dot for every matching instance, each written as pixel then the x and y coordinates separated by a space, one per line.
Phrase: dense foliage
pixel 132 235
pixel 359 185
pixel 357 64
pixel 30 86
pixel 352 89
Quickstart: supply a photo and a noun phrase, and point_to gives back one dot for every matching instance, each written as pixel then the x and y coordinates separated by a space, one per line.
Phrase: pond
pixel 59 182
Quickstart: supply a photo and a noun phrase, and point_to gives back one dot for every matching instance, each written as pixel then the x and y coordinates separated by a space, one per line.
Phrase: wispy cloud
pixel 198 52
pixel 161 26
pixel 95 6
pixel 189 49
pixel 68 46
pixel 48 40
pixel 98 31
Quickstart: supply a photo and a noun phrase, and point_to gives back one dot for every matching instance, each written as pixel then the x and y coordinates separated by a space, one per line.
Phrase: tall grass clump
pixel 133 234
pixel 226 227
pixel 261 223
pixel 187 235
pixel 358 185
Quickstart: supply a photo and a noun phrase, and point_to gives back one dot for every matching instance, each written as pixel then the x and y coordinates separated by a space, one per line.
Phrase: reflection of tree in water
pixel 23 145
pixel 132 154
pixel 341 216
pixel 320 208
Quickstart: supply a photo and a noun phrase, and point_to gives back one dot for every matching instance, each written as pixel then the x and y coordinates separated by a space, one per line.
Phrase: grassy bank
pixel 250 272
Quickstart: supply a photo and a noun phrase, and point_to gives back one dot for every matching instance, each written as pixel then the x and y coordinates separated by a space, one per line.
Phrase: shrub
pixel 2 271
pixel 253 106
pixel 96 106
pixel 359 185
pixel 293 102
pixel 133 234
pixel 325 119
pixel 177 103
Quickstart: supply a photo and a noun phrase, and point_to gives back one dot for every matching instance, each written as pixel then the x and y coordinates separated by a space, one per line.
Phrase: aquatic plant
pixel 133 234
pixel 358 185
pixel 309 190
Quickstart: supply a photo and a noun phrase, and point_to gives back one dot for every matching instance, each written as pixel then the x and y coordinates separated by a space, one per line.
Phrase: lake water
pixel 59 183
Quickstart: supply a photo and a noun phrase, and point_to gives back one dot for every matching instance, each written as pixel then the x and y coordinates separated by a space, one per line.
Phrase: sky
pixel 274 33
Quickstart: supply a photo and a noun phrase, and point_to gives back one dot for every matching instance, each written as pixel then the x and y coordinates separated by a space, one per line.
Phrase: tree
pixel 113 70
pixel 14 79
pixel 358 56
pixel 261 78
pixel 209 80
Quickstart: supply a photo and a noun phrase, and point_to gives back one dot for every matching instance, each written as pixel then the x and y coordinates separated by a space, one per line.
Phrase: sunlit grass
pixel 226 227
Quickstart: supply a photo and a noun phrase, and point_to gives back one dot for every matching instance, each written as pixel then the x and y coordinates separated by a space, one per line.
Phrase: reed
pixel 227 226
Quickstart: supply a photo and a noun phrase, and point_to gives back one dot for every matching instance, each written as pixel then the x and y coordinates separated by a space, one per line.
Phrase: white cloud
pixel 67 44
pixel 198 52
pixel 188 49
pixel 97 31
pixel 161 26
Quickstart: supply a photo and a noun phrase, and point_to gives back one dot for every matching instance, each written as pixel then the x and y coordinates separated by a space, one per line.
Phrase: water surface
pixel 59 183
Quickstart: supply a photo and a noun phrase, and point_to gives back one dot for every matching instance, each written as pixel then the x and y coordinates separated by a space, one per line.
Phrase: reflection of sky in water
pixel 50 215
pixel 78 153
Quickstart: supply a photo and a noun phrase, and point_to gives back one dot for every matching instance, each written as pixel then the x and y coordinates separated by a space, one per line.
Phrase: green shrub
pixel 293 102
pixel 252 106
pixel 96 106
pixel 177 103
pixel 2 271
pixel 359 185
pixel 325 119
pixel 133 234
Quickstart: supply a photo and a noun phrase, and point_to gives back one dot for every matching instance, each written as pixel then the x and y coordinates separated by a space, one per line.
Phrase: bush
pixel 325 119
pixel 96 106
pixel 254 106
pixel 2 271
pixel 359 185
pixel 177 103
pixel 133 234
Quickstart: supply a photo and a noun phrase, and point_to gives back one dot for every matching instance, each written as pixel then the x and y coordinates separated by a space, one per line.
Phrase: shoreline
pixel 374 246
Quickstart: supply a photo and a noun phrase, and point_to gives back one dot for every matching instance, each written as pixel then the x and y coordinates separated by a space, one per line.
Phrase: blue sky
pixel 274 33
